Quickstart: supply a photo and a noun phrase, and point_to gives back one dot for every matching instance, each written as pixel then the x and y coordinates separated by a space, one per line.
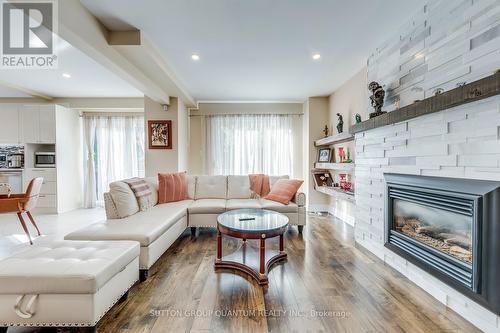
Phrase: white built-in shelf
pixel 335 166
pixel 336 192
pixel 334 139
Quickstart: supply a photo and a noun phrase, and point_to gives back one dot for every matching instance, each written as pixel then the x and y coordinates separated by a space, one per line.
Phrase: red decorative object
pixel 341 154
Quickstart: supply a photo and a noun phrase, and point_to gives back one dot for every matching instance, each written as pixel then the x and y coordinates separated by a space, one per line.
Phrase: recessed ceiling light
pixel 316 56
pixel 195 57
pixel 66 75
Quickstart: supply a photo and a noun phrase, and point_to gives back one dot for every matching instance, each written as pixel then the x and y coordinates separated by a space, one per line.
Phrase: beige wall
pixel 182 136
pixel 167 160
pixel 349 99
pixel 197 129
pixel 317 118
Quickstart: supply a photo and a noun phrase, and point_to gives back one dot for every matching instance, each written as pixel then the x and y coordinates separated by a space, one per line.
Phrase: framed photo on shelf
pixel 160 134
pixel 324 155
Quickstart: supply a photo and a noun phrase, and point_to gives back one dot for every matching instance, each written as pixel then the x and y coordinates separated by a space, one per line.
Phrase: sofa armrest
pixel 300 199
pixel 109 205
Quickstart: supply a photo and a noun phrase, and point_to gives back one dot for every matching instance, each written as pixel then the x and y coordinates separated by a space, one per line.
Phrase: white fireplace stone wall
pixel 462 142
pixel 447 42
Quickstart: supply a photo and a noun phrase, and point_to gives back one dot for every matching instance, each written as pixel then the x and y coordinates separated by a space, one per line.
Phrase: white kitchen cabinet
pixel 30 123
pixel 9 122
pixel 38 123
pixel 47 124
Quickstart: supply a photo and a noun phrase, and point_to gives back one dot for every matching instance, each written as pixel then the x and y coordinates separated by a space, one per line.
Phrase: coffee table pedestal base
pixel 248 259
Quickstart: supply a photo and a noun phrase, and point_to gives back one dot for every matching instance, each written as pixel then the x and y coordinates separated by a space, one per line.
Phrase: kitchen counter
pixel 11 169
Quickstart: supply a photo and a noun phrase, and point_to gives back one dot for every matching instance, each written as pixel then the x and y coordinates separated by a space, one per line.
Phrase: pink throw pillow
pixel 284 190
pixel 172 187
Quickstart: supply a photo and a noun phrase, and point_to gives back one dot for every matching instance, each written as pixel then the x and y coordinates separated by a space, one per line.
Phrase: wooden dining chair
pixel 23 203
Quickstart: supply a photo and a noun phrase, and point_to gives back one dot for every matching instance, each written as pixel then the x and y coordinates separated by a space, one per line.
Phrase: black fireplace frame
pixel 484 198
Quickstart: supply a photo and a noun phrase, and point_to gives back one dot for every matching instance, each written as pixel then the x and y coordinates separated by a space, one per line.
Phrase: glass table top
pixel 252 220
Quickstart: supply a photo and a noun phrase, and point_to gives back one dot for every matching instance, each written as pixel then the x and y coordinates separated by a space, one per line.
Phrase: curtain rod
pixel 245 114
pixel 112 114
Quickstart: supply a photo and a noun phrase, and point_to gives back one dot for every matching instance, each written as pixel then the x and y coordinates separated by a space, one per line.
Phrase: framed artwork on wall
pixel 324 155
pixel 160 134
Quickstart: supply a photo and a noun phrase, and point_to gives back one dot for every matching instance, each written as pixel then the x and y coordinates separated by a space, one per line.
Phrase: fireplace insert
pixel 450 228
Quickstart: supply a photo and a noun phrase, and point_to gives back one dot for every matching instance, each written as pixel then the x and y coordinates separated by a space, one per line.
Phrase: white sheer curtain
pixel 113 150
pixel 244 144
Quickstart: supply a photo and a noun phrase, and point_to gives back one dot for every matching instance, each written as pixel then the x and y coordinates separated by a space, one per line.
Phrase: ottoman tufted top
pixel 65 267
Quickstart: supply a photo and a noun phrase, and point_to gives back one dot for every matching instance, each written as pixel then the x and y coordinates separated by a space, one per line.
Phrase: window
pixel 113 150
pixel 245 144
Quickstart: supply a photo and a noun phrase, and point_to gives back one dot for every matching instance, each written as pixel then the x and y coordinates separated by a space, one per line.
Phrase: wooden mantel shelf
pixel 474 91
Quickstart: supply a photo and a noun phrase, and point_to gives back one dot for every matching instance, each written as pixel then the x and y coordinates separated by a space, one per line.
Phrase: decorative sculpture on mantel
pixel 377 98
pixel 326 131
pixel 340 124
pixel 357 117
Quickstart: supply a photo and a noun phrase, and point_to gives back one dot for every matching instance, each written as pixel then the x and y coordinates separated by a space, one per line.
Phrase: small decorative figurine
pixel 348 156
pixel 357 117
pixel 438 91
pixel 340 124
pixel 326 131
pixel 377 98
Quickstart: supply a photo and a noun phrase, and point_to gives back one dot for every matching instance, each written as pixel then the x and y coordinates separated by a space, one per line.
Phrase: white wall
pixel 69 159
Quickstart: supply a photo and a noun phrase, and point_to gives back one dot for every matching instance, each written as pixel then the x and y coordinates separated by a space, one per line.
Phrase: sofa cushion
pixel 279 207
pixel 211 187
pixel 172 187
pixel 284 190
pixel 124 199
pixel 274 179
pixel 144 227
pixel 238 187
pixel 242 203
pixel 65 267
pixel 191 181
pixel 153 183
pixel 207 206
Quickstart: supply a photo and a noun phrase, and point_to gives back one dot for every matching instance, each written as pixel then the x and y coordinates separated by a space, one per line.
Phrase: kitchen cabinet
pixel 9 122
pixel 38 124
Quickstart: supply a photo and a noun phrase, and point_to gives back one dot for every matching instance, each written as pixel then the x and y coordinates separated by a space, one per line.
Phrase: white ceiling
pixel 260 49
pixel 88 78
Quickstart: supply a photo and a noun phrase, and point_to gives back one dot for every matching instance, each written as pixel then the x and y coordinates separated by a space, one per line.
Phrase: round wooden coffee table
pixel 251 224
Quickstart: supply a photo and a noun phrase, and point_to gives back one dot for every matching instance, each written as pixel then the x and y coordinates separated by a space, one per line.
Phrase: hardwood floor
pixel 327 285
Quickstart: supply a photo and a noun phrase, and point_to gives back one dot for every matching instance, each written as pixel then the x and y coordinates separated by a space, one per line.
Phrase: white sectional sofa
pixel 157 228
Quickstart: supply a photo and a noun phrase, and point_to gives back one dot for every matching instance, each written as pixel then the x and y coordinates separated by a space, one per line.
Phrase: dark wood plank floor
pixel 327 285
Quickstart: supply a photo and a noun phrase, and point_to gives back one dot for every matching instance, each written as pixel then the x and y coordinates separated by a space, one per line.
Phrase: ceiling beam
pixel 26 91
pixel 132 37
pixel 82 30
pixel 152 63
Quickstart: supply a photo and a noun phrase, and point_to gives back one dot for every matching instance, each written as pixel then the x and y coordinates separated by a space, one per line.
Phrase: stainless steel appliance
pixel 14 178
pixel 45 160
pixel 3 161
pixel 15 161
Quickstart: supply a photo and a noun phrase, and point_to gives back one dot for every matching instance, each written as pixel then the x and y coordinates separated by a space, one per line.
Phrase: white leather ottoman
pixel 66 283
